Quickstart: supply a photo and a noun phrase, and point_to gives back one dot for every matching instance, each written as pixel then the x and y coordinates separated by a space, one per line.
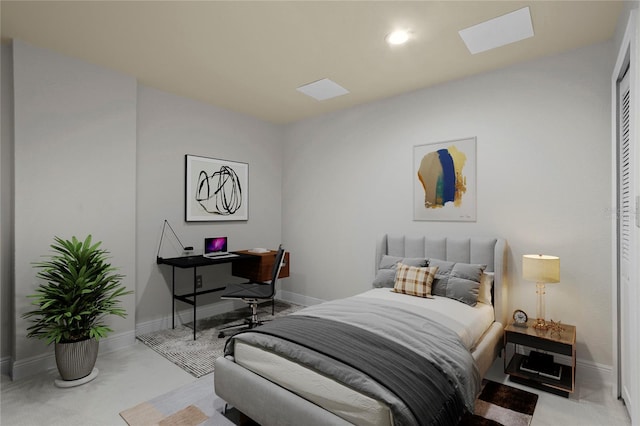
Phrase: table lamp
pixel 541 269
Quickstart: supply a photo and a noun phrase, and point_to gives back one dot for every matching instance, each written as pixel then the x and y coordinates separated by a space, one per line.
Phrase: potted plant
pixel 79 291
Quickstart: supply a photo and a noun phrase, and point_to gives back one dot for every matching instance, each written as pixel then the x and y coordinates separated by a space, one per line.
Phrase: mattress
pixel 469 323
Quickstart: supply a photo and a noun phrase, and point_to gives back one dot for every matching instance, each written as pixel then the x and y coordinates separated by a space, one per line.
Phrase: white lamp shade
pixel 541 268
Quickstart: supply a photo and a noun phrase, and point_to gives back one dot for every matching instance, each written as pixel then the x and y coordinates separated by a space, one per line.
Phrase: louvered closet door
pixel 626 250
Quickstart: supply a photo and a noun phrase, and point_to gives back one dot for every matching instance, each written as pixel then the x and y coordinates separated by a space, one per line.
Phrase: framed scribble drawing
pixel 215 189
pixel 445 181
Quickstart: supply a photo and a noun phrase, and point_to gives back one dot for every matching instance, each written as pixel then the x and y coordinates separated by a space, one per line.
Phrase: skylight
pixel 323 89
pixel 497 32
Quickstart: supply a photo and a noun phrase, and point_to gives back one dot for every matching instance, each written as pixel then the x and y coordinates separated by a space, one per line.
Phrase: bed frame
pixel 270 404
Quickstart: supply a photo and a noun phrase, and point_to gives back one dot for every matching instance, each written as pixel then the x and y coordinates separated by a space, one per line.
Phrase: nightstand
pixel 547 341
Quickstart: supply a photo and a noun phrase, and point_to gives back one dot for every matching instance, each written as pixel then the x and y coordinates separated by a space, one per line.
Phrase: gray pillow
pixel 458 281
pixel 439 284
pixel 386 275
pixel 464 282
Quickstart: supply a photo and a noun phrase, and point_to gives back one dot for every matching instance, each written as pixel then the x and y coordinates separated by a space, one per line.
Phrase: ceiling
pixel 250 56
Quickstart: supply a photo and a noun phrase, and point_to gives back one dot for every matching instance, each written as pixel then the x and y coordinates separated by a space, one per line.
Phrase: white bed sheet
pixel 470 323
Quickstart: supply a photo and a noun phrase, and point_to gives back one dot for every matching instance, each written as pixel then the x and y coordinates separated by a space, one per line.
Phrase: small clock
pixel 520 318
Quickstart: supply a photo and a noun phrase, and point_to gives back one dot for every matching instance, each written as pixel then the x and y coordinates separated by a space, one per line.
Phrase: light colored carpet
pixel 197 357
pixel 192 404
pixel 197 404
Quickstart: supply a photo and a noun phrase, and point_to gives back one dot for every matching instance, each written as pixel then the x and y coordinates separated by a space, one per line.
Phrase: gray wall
pixel 97 153
pixel 75 158
pixel 543 183
pixel 168 128
pixel 6 207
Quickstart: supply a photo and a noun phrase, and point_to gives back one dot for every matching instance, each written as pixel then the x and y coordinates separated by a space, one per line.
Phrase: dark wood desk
pixel 259 267
pixel 195 262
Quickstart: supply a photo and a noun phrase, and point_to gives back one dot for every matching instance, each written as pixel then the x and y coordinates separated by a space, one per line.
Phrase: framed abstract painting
pixel 445 181
pixel 215 190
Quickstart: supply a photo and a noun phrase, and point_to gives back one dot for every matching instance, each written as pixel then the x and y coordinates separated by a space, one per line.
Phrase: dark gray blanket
pixel 417 328
pixel 429 394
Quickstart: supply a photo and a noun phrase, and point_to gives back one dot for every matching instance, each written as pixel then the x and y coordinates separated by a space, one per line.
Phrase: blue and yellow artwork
pixel 442 178
pixel 445 181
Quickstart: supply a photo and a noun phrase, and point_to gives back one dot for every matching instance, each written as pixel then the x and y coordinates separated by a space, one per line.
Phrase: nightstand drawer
pixel 540 343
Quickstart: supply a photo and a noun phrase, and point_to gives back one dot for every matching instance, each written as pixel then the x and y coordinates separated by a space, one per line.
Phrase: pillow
pixel 486 284
pixel 439 287
pixel 414 280
pixel 458 281
pixel 386 275
pixel 464 283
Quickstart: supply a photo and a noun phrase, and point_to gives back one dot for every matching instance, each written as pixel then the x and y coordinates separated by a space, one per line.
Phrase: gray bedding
pixel 428 376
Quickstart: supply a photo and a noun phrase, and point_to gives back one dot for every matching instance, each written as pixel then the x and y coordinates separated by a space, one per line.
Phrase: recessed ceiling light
pixel 398 37
pixel 323 89
pixel 500 31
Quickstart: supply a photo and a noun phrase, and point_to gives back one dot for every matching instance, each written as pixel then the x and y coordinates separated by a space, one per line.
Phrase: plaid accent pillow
pixel 414 280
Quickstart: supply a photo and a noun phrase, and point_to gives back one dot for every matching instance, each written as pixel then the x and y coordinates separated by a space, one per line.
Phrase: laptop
pixel 215 247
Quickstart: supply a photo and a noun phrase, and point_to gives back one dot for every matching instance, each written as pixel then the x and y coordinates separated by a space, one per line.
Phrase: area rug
pixel 192 404
pixel 500 404
pixel 197 404
pixel 197 357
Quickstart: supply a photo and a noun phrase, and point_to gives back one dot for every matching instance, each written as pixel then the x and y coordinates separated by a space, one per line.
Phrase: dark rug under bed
pixel 500 404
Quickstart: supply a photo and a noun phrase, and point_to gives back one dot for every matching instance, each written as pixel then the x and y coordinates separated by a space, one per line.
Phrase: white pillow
pixel 486 283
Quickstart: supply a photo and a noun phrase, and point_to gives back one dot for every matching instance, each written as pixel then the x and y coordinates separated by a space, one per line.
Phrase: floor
pixel 137 374
pixel 126 378
pixel 590 405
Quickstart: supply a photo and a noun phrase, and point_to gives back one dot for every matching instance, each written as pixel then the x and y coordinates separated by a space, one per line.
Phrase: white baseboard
pixel 298 299
pixel 598 375
pixel 5 366
pixel 44 362
pixel 186 316
pixel 34 365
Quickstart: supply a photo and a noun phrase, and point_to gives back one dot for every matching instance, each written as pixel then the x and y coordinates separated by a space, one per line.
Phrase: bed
pixel 403 359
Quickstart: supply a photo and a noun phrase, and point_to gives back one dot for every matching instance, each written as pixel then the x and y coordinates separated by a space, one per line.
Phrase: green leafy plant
pixel 81 288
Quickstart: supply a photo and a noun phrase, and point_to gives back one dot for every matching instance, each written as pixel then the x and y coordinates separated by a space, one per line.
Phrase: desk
pixel 259 267
pixel 195 262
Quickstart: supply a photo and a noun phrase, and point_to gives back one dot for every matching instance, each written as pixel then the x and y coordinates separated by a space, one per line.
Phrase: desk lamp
pixel 185 249
pixel 541 269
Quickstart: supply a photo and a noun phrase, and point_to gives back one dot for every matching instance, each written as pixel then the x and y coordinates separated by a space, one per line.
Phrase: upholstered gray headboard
pixel 487 251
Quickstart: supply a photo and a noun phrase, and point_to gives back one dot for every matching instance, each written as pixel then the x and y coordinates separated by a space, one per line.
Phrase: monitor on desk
pixel 215 246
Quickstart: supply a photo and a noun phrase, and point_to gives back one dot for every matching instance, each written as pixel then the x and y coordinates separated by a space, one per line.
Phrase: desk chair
pixel 253 293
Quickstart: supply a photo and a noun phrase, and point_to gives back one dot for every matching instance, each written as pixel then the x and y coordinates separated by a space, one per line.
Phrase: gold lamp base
pixel 540 324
